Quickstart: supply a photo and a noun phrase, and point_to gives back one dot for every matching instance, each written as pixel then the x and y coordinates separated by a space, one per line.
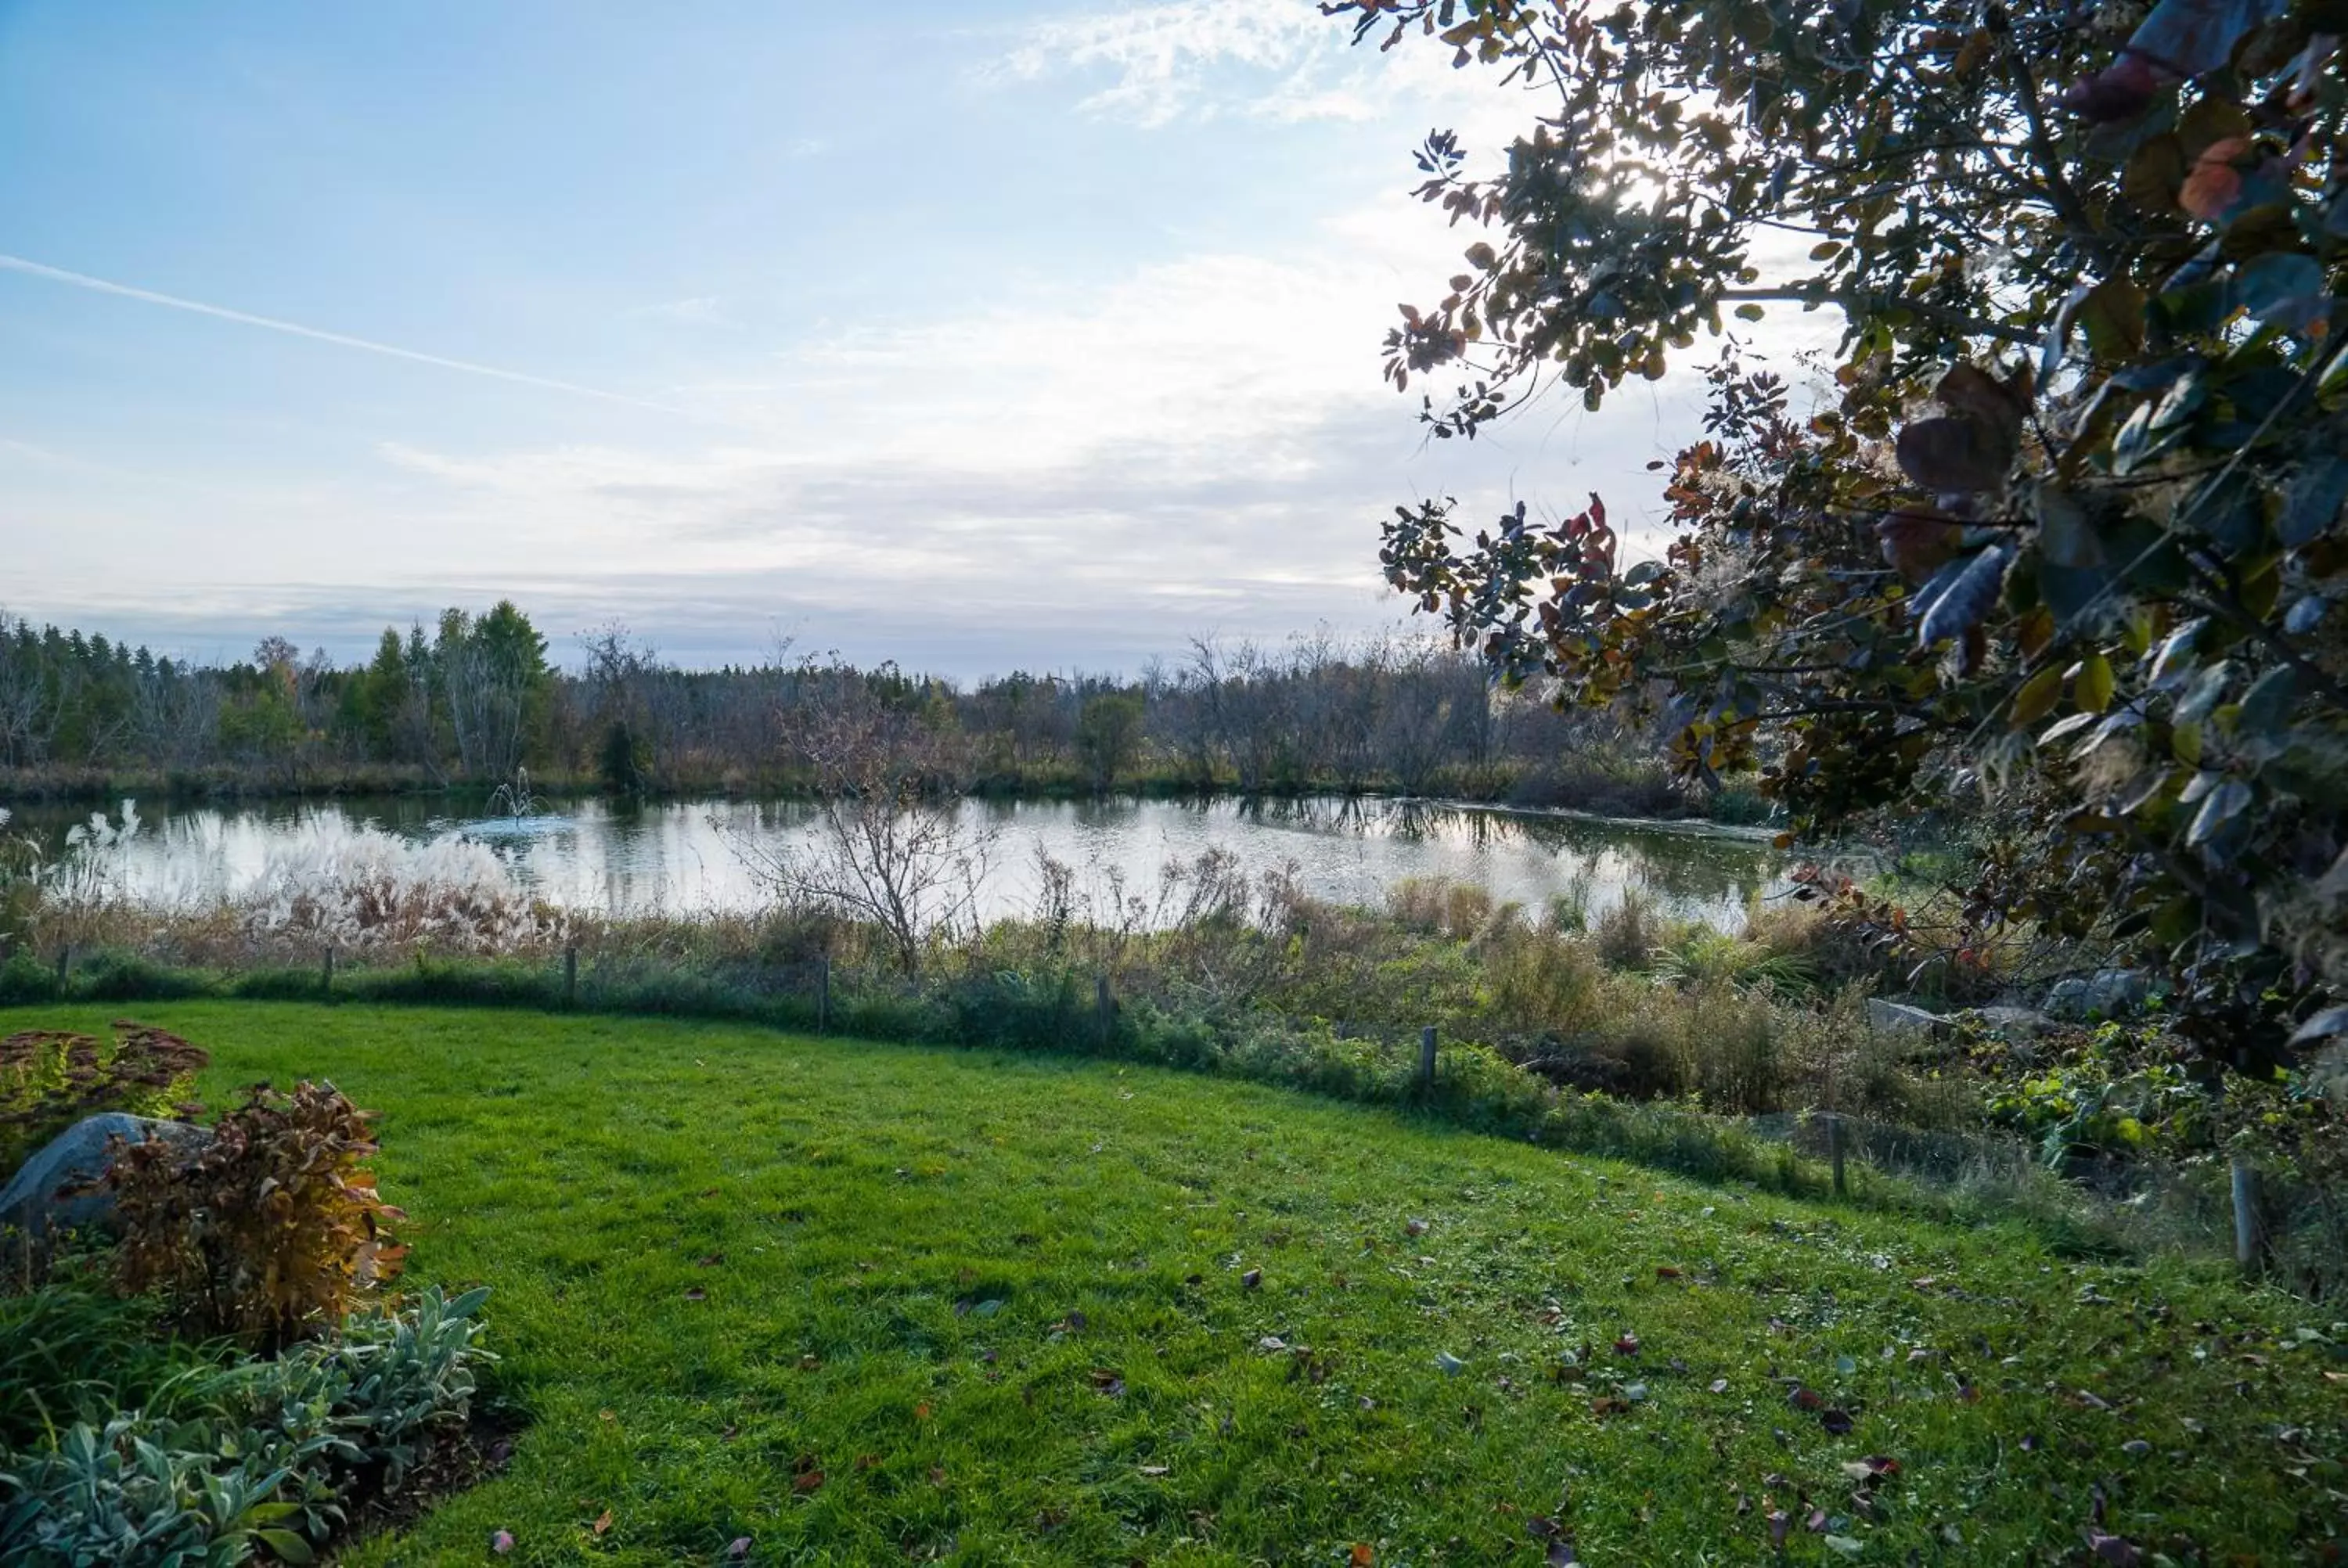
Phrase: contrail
pixel 294 329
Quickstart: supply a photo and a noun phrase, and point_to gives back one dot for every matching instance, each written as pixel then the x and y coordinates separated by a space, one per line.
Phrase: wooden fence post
pixel 1833 1150
pixel 326 972
pixel 1104 1009
pixel 1426 1059
pixel 823 995
pixel 2250 1233
pixel 570 976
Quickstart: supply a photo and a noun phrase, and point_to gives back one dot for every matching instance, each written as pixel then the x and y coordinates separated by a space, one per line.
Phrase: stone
pixel 42 1196
pixel 2016 1022
pixel 2112 993
pixel 1899 1018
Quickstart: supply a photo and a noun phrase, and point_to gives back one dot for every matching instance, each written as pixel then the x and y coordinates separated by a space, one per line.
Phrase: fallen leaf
pixel 1609 1405
pixel 1665 1271
pixel 712 1261
pixel 1837 1422
pixel 739 1548
pixel 811 1480
pixel 1413 1227
pixel 603 1523
pixel 811 1361
pixel 1362 1556
pixel 1803 1398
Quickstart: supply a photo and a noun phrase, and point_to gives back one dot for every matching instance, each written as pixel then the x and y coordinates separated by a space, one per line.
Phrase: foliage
pixel 1024 1222
pixel 49 1079
pixel 467 708
pixel 69 1346
pixel 2065 526
pixel 270 1230
pixel 228 1459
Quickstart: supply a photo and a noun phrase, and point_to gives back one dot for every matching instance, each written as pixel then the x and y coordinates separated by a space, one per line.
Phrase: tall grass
pixel 1638 1036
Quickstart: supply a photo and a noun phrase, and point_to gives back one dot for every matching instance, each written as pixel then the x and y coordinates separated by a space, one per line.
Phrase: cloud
pixel 1201 445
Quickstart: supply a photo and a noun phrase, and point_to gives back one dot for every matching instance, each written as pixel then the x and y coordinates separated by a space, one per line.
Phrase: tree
pixel 2064 525
pixel 493 677
pixel 1108 737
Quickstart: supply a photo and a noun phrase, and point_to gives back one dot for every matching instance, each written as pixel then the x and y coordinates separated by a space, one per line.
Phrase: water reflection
pixel 676 857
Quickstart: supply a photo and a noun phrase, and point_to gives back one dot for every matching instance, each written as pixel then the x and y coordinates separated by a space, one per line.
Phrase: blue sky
pixel 975 335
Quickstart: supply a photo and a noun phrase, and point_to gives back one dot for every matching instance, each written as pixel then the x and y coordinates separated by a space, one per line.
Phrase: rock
pixel 40 1197
pixel 2112 993
pixel 1899 1018
pixel 2016 1022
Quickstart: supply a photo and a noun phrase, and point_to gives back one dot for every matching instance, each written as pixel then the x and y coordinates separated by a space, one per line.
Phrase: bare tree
pixel 892 848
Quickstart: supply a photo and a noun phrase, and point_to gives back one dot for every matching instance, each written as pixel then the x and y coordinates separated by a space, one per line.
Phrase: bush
pixel 269 1230
pixel 232 1458
pixel 49 1079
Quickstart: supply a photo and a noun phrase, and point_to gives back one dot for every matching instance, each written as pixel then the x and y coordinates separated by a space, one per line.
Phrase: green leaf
pixel 2092 689
pixel 288 1544
pixel 2037 697
pixel 1750 312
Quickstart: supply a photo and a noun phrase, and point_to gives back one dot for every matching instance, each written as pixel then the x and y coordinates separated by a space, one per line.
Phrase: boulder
pixel 2014 1022
pixel 2112 993
pixel 1899 1018
pixel 53 1190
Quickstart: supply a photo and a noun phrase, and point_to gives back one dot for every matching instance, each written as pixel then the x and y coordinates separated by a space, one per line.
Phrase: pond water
pixel 681 858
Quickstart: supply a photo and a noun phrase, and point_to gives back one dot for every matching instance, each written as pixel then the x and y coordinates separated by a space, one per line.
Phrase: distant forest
pixel 473 702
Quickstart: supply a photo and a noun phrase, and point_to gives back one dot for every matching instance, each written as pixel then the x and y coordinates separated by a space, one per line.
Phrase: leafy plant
pixel 2065 526
pixel 270 1230
pixel 51 1079
pixel 225 1460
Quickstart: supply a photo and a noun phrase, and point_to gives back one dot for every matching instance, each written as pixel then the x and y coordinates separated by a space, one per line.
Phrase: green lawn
pixel 867 1303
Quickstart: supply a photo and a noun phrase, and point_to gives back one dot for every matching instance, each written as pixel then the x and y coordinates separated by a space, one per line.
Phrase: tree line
pixel 475 701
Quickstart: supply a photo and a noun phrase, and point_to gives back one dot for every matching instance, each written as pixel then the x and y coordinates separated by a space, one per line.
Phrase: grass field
pixel 865 1303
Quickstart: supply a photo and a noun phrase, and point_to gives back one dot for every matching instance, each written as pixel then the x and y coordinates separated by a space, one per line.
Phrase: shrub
pixel 1627 934
pixel 228 1460
pixel 49 1079
pixel 272 1228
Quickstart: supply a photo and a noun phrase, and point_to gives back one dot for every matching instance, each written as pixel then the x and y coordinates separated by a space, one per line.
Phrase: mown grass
pixel 825 1294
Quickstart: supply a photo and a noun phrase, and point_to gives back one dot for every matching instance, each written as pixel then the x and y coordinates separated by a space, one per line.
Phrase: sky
pixel 981 335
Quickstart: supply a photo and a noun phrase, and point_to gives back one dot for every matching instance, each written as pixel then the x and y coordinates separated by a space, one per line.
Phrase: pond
pixel 683 858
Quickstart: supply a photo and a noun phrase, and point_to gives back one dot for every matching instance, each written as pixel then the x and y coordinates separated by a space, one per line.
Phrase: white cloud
pixel 1278 60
